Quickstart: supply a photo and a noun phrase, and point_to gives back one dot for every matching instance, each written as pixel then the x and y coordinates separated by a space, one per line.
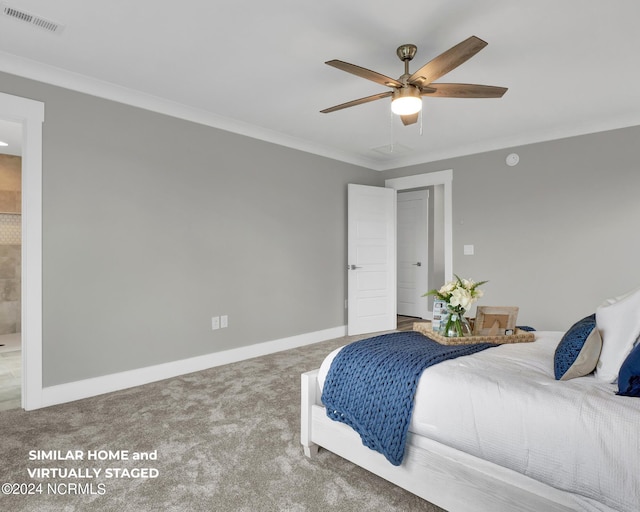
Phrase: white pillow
pixel 618 321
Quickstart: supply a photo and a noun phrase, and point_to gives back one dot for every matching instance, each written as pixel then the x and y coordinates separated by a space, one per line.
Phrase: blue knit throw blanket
pixel 371 384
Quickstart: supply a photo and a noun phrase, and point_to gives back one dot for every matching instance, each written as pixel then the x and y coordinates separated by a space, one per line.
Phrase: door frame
pixel 426 180
pixel 30 114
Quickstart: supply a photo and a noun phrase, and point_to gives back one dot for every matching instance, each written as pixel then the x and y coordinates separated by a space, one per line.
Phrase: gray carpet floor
pixel 227 439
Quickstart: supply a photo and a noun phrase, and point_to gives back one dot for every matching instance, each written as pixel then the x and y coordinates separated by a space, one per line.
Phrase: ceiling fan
pixel 408 89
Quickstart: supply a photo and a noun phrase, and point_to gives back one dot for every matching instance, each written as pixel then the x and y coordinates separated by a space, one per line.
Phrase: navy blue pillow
pixel 578 351
pixel 629 376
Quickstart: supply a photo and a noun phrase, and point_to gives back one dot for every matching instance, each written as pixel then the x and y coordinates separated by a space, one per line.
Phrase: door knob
pixel 352 267
pixel 419 264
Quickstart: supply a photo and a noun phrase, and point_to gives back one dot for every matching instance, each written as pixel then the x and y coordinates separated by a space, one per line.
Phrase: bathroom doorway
pixel 10 265
pixel 29 114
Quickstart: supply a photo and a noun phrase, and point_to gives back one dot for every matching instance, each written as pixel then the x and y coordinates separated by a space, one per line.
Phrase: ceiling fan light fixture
pixel 406 101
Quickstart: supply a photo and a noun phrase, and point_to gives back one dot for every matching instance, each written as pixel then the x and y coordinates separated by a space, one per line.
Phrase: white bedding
pixel 504 405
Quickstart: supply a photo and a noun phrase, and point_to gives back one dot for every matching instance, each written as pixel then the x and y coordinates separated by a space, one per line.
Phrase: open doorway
pixel 427 263
pixel 371 248
pixel 29 114
pixel 420 249
pixel 10 265
pixel 412 245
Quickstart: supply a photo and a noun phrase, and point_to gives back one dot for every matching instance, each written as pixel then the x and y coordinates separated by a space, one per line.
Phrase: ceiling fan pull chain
pixel 421 116
pixel 392 132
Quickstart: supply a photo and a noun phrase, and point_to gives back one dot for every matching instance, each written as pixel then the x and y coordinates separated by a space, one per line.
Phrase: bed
pixel 495 431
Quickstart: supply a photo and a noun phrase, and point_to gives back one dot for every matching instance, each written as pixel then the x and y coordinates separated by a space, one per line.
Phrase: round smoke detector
pixel 512 159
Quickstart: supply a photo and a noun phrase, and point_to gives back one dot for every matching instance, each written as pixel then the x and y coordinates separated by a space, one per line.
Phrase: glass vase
pixel 455 325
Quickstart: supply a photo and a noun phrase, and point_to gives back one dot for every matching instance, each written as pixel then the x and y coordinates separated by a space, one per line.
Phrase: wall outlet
pixel 215 322
pixel 224 321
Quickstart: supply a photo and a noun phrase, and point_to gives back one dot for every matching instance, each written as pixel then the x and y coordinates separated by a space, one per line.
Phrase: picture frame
pixel 495 320
pixel 439 310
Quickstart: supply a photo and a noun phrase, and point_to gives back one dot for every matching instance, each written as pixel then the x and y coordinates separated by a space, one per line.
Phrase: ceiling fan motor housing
pixel 406 52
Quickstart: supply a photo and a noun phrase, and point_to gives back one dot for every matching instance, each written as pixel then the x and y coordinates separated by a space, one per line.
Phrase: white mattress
pixel 504 405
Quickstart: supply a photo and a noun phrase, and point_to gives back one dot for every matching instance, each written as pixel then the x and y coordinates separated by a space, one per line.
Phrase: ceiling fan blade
pixel 357 102
pixel 464 91
pixel 364 73
pixel 410 118
pixel 447 61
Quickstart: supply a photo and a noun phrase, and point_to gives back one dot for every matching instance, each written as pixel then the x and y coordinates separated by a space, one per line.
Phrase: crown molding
pixel 507 143
pixel 52 75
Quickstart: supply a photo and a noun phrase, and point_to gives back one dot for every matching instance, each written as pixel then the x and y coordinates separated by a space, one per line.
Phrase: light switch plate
pixel 469 250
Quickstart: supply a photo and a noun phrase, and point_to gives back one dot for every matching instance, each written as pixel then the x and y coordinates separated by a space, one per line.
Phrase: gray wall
pixel 152 225
pixel 556 234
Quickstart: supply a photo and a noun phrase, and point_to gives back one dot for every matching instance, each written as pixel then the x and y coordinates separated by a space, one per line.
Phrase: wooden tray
pixel 520 336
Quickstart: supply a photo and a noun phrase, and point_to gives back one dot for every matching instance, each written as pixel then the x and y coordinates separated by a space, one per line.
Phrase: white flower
pixel 461 297
pixel 447 288
pixel 459 293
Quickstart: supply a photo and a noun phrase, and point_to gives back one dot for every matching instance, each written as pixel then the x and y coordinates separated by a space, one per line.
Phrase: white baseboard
pixel 78 390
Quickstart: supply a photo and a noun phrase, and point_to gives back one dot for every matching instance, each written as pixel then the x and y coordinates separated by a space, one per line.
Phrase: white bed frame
pixel 446 477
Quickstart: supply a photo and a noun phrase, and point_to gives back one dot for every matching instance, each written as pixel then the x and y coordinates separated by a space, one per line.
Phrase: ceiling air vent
pixel 32 19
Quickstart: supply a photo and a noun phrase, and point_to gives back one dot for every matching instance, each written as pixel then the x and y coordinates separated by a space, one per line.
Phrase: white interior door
pixel 413 252
pixel 371 264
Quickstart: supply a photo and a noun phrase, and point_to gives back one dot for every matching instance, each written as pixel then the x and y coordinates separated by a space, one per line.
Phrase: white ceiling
pixel 257 67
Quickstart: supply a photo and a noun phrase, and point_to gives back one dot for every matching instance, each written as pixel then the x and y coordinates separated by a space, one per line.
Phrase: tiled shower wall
pixel 9 288
pixel 10 243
